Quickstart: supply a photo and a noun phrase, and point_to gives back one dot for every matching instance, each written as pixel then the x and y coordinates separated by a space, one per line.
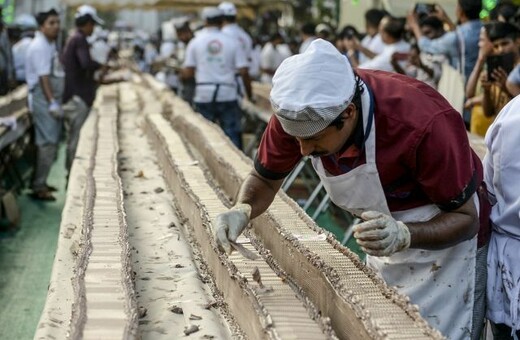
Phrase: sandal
pixel 42 195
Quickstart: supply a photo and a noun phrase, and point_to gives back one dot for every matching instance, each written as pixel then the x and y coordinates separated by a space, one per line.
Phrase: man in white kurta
pixel 502 176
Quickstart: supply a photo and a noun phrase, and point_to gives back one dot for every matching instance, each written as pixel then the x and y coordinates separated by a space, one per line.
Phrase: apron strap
pixel 370 128
pixel 217 88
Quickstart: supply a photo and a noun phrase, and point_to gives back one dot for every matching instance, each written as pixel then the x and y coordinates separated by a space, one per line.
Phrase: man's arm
pixel 446 229
pixel 485 50
pixel 258 192
pixel 85 61
pixel 188 68
pixel 442 45
pixel 187 73
pixel 47 89
pixel 244 73
pixel 382 235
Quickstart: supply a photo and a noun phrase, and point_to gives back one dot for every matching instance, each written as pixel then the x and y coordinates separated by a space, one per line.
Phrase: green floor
pixel 26 258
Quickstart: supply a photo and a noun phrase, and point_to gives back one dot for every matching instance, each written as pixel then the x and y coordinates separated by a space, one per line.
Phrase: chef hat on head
pixel 210 13
pixel 312 89
pixel 228 9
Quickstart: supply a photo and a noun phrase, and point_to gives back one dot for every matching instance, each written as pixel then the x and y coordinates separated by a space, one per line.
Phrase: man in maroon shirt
pixel 80 85
pixel 414 182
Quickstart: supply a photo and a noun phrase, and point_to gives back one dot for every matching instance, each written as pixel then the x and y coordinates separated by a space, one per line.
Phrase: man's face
pixel 277 42
pixel 502 46
pixel 88 29
pixel 430 33
pixel 371 30
pixel 51 27
pixel 331 139
pixel 184 36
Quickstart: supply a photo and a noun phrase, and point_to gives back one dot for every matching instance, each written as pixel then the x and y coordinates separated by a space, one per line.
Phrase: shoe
pixel 51 188
pixel 42 195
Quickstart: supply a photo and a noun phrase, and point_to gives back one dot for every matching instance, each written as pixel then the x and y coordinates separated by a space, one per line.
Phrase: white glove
pixel 381 235
pixel 55 109
pixel 229 225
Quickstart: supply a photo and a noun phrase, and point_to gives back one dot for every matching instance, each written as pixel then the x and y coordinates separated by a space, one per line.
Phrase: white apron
pixel 47 128
pixel 440 282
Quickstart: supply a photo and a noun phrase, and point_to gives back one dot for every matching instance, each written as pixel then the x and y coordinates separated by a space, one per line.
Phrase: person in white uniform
pixel 271 57
pixel 213 58
pixel 502 175
pixel 372 44
pixel 45 79
pixel 230 27
pixel 307 32
pixel 391 31
pixel 377 140
pixel 28 25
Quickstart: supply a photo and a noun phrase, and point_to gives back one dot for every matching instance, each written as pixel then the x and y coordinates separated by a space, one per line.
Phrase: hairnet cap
pixel 228 9
pixel 210 13
pixel 312 89
pixel 91 11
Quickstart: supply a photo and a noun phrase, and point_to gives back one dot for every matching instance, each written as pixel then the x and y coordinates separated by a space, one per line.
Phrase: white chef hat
pixel 228 9
pixel 210 13
pixel 312 89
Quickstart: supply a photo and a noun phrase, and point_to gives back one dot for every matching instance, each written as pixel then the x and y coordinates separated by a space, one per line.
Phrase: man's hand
pixel 229 225
pixel 352 44
pixel 381 235
pixel 440 13
pixel 485 46
pixel 412 21
pixel 500 78
pixel 485 83
pixel 55 109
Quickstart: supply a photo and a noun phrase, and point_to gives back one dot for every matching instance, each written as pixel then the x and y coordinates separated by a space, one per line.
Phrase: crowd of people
pixel 435 221
pixel 420 45
pixel 62 83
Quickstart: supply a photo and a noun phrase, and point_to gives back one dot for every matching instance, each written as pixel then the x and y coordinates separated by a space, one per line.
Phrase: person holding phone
pixel 460 45
pixel 498 54
pixel 422 66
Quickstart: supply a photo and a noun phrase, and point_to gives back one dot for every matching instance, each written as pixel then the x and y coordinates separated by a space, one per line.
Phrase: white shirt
pixel 502 176
pixel 215 57
pixel 374 44
pixel 167 49
pixel 305 44
pixel 99 51
pixel 254 66
pixel 41 55
pixel 19 55
pixel 502 167
pixel 244 40
pixel 271 58
pixel 383 61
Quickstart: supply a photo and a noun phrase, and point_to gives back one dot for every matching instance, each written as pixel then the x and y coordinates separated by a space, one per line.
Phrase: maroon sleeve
pixel 444 162
pixel 278 152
